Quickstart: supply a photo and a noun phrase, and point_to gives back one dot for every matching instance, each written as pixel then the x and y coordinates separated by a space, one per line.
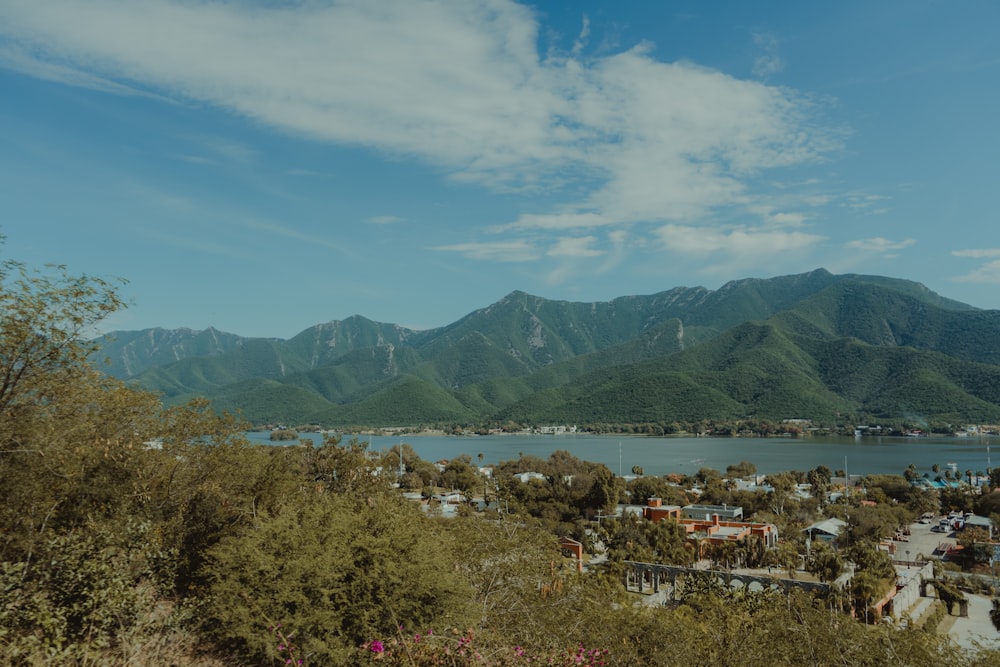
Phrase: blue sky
pixel 261 167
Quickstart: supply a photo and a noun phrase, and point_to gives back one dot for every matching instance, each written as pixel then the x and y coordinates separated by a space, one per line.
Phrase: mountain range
pixel 813 346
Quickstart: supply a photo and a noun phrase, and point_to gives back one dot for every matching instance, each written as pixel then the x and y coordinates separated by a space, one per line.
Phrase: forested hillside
pixel 813 345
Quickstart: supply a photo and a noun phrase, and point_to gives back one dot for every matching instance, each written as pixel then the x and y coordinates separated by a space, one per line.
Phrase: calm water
pixel 658 456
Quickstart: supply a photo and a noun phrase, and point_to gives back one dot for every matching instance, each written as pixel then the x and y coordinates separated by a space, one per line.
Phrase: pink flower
pixel 377 647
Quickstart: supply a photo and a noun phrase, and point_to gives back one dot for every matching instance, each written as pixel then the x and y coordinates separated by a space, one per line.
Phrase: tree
pixel 44 322
pixel 867 557
pixel 783 485
pixel 824 562
pixel 948 594
pixel 334 569
pixel 785 556
pixel 819 481
pixel 708 476
pixel 975 543
pixel 603 493
pixel 866 588
pixel 66 431
pixel 460 474
pixel 741 469
pixel 101 490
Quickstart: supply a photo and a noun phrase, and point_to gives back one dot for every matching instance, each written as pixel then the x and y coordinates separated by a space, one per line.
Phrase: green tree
pixel 783 485
pixel 460 474
pixel 824 562
pixel 741 469
pixel 44 324
pixel 334 569
pixel 866 589
pixel 603 493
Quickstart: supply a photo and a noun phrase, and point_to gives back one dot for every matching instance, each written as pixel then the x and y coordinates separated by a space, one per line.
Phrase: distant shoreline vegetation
pixel 798 428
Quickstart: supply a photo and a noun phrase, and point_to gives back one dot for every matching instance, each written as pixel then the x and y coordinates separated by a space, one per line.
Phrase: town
pixel 890 548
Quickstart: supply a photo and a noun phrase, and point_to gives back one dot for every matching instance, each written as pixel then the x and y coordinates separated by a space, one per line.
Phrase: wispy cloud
pixel 768 62
pixel 879 245
pixel 752 242
pixel 579 246
pixel 23 60
pixel 867 203
pixel 461 85
pixel 501 251
pixel 385 220
pixel 977 252
pixel 988 273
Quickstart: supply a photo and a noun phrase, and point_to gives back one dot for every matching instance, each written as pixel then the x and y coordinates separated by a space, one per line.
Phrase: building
pixel 655 510
pixel 708 524
pixel 707 512
pixel 826 530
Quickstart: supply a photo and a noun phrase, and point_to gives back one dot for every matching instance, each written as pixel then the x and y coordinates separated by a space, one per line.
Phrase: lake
pixel 658 456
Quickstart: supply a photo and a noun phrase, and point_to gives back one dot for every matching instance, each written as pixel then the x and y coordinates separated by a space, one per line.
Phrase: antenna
pixel 847 480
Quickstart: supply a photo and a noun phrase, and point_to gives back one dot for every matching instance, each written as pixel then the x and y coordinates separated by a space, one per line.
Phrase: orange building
pixel 711 530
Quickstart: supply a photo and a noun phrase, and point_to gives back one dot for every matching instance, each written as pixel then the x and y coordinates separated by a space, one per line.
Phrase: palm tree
pixel 865 587
pixel 825 563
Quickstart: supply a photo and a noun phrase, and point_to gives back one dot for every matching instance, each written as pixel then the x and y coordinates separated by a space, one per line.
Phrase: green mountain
pixel 814 345
pixel 129 353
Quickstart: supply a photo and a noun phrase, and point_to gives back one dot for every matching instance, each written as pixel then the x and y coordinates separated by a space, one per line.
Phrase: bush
pixel 333 571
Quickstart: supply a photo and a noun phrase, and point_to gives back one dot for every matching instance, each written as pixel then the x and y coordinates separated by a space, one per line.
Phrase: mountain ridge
pixel 523 356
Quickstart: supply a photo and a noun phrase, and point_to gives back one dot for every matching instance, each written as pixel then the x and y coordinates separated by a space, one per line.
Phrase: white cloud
pixel 977 252
pixel 556 221
pixel 988 273
pixel 581 39
pixel 743 242
pixel 580 246
pixel 865 203
pixel 27 63
pixel 768 62
pixel 459 84
pixel 879 244
pixel 501 251
pixel 385 220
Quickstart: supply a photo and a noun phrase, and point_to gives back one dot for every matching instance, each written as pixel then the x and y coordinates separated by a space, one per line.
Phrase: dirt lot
pixel 922 542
